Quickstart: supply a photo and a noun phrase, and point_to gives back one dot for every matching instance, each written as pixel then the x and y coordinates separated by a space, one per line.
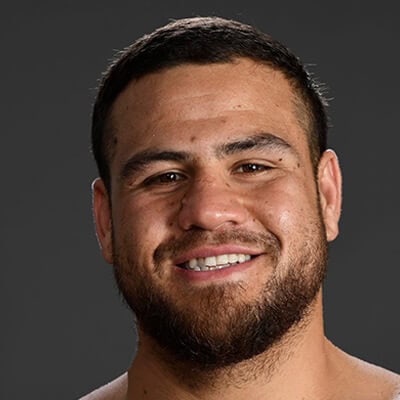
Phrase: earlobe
pixel 102 218
pixel 330 190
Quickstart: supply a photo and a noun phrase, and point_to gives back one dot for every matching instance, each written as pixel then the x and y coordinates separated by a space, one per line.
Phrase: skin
pixel 196 110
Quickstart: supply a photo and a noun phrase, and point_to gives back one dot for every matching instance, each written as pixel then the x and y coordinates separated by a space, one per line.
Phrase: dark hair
pixel 202 41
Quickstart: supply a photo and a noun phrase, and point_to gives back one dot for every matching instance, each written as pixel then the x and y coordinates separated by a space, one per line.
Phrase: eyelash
pixel 172 177
pixel 253 168
pixel 164 178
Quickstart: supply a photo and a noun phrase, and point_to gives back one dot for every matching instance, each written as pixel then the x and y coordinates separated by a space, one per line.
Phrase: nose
pixel 210 204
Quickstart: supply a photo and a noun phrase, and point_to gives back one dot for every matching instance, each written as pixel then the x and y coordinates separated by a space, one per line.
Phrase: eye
pixel 252 168
pixel 164 179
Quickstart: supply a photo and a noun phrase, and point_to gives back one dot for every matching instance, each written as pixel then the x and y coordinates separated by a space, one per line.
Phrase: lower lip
pixel 216 274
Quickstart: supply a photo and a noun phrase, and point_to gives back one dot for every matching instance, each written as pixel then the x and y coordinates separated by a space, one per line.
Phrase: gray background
pixel 63 328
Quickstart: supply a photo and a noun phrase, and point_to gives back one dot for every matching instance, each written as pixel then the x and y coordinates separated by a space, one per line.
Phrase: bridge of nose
pixel 210 203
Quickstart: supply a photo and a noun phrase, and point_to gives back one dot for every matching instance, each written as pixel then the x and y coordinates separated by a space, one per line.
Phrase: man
pixel 216 201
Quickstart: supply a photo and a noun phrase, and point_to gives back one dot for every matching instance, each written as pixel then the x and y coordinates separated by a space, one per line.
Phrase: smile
pixel 215 262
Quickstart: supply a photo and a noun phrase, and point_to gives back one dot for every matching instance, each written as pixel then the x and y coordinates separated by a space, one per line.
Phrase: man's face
pixel 216 229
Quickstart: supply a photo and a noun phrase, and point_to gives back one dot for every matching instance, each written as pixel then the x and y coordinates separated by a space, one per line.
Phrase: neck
pixel 301 358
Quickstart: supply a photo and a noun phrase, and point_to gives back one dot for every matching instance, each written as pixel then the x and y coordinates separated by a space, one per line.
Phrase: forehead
pixel 206 103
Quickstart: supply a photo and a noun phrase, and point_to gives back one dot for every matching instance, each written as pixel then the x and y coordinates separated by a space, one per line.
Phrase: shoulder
pixel 368 381
pixel 115 390
pixel 387 381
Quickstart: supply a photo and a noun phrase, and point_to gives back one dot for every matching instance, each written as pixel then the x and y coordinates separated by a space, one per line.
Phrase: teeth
pixel 233 258
pixel 212 263
pixel 223 259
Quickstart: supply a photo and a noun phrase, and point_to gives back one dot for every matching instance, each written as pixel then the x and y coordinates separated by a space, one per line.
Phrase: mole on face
pixel 193 139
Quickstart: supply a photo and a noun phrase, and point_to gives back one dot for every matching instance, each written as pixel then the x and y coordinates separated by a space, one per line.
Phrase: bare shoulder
pixel 115 390
pixel 387 381
pixel 367 381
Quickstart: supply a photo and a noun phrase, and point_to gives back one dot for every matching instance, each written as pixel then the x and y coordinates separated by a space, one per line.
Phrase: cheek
pixel 143 224
pixel 279 217
pixel 285 206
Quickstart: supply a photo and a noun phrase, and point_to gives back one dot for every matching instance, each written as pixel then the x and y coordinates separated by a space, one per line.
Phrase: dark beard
pixel 209 333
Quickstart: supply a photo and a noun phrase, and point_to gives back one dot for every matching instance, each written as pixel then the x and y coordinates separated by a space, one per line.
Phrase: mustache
pixel 266 242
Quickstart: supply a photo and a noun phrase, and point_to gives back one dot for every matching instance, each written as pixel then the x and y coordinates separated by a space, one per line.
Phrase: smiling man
pixel 215 203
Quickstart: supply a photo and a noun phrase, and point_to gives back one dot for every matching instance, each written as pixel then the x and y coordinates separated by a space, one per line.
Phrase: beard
pixel 214 326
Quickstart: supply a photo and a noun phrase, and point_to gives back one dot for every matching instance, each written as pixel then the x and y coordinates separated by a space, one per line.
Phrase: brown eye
pixel 252 168
pixel 164 179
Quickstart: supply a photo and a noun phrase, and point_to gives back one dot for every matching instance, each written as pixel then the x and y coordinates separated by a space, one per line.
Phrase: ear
pixel 330 190
pixel 102 218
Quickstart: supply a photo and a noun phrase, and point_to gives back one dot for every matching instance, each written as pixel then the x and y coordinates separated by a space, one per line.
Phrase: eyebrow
pixel 138 162
pixel 258 141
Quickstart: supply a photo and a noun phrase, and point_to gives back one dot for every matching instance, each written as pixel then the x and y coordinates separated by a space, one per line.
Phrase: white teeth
pixel 211 261
pixel 222 259
pixel 242 258
pixel 215 262
pixel 233 258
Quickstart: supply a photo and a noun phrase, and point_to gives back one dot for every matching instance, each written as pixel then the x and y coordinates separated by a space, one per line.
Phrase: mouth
pixel 212 263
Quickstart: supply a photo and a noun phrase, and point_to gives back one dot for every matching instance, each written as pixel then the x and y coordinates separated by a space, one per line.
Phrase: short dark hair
pixel 202 41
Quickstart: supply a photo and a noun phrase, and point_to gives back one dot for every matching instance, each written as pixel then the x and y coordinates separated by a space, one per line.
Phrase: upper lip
pixel 213 251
